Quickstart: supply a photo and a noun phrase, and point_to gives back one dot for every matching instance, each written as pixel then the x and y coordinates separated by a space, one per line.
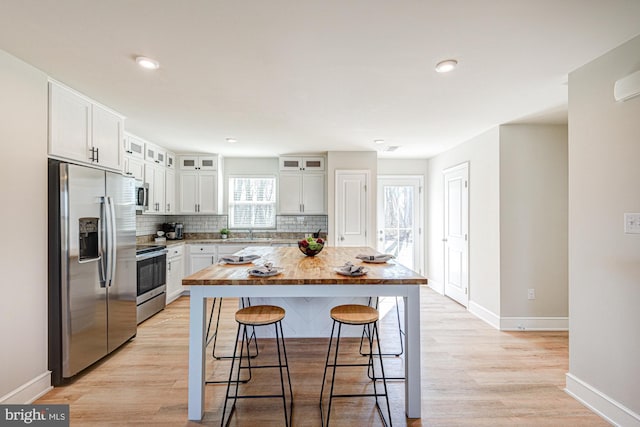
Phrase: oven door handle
pixel 153 254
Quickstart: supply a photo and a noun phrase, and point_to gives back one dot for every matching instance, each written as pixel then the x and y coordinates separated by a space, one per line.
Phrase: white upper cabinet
pixel 107 132
pixel 133 147
pixel 133 167
pixel 69 124
pixel 198 192
pixel 155 154
pixel 170 192
pixel 82 130
pixel 154 175
pixel 301 193
pixel 301 163
pixel 205 163
pixel 313 194
pixel 301 185
pixel 171 160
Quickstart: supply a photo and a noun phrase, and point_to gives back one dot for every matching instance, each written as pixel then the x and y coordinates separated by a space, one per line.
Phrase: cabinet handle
pixel 97 155
pixel 168 206
pixel 169 265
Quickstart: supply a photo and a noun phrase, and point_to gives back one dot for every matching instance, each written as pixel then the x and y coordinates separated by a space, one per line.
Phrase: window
pixel 252 202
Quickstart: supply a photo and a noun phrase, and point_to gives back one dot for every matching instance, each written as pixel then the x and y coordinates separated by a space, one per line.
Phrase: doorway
pixel 400 219
pixel 456 233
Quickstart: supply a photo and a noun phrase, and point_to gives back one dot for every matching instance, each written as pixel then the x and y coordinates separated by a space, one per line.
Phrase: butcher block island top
pixel 299 269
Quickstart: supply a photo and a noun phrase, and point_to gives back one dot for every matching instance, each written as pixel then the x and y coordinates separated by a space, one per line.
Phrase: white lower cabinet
pixel 175 271
pixel 201 256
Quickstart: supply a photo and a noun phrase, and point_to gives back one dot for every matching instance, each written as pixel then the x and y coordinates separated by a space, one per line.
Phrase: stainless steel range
pixel 152 277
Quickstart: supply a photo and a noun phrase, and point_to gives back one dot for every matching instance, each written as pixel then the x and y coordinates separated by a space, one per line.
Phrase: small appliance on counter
pixel 173 230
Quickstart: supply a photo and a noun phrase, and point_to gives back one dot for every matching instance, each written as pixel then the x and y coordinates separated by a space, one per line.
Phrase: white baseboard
pixel 30 391
pixel 612 411
pixel 488 316
pixel 534 323
pixel 519 323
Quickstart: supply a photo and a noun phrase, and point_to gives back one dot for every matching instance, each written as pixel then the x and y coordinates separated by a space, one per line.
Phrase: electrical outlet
pixel 632 223
pixel 531 294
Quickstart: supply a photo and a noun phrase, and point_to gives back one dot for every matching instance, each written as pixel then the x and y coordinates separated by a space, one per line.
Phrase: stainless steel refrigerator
pixel 92 266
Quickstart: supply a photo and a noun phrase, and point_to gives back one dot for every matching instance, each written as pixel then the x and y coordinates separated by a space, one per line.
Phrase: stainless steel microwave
pixel 142 196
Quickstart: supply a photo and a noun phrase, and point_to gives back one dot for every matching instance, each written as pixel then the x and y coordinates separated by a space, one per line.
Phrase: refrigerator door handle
pixel 102 264
pixel 112 234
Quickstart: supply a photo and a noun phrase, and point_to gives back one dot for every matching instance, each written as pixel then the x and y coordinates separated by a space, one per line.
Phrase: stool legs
pixel 400 333
pixel 372 334
pixel 214 336
pixel 282 356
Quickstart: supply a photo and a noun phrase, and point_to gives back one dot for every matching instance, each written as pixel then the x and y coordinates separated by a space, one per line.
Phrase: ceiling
pixel 287 76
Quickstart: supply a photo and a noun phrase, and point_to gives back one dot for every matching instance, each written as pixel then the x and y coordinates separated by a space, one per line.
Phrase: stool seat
pixel 260 315
pixel 354 314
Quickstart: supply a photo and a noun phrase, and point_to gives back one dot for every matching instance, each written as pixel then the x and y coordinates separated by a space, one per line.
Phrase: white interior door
pixel 456 233
pixel 351 208
pixel 400 220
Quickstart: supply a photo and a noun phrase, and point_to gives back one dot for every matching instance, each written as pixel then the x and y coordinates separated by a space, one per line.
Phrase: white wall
pixel 352 160
pixel 533 221
pixel 604 263
pixel 482 153
pixel 23 256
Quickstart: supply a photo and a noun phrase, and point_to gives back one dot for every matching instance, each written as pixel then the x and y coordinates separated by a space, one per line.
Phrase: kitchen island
pixel 306 277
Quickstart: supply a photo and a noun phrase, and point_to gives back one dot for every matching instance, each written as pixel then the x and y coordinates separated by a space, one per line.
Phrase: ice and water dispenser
pixel 89 245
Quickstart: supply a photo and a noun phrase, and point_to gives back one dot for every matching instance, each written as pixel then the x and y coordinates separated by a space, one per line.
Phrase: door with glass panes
pixel 400 220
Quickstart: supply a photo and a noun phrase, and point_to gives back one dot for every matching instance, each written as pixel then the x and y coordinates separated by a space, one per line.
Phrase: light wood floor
pixel 472 375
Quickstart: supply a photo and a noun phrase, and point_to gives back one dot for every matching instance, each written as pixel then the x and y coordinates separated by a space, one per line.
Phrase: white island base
pixel 308 317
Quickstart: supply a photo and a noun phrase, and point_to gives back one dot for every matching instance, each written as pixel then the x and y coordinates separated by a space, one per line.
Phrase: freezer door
pixel 83 295
pixel 121 288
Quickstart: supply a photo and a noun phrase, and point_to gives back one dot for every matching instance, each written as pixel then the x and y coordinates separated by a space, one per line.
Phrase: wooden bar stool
pixel 353 314
pixel 259 315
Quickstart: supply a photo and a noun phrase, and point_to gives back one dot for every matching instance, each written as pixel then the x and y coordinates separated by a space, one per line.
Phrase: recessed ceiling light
pixel 379 141
pixel 446 66
pixel 148 63
pixel 232 140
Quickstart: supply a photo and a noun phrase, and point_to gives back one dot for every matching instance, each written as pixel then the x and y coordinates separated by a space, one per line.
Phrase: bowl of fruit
pixel 311 246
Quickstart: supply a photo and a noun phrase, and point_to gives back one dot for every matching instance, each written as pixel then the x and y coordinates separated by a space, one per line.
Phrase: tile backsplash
pixel 149 224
